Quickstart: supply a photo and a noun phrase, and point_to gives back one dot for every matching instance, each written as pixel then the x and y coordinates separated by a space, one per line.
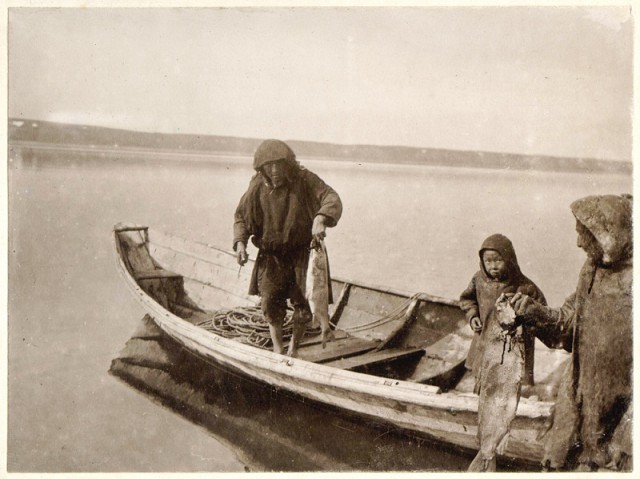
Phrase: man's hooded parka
pixel 595 324
pixel 279 220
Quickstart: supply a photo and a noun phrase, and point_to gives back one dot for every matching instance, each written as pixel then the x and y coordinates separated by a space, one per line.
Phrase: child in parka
pixel 499 273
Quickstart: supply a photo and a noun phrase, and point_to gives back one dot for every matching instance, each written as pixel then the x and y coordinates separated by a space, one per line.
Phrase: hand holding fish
pixel 523 304
pixel 318 284
pixel 319 228
pixel 241 253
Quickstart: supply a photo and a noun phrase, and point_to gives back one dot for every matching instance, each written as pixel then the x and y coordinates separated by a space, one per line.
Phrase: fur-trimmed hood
pixel 609 219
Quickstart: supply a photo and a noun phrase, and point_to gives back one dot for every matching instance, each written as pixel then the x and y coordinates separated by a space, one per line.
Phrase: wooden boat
pixel 395 360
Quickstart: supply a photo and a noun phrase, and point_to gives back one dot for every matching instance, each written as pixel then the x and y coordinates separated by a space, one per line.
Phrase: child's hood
pixel 502 245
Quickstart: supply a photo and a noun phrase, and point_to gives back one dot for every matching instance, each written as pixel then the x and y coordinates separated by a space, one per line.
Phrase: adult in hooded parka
pixel 284 208
pixel 591 427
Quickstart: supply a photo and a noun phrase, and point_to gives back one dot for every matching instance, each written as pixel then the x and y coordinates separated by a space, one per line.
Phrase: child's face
pixel 494 264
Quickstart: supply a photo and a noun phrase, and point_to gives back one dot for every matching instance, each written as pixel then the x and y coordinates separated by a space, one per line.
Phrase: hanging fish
pixel 501 378
pixel 318 289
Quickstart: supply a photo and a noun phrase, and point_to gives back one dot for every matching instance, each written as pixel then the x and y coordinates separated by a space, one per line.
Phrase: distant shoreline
pixel 27 136
pixel 54 155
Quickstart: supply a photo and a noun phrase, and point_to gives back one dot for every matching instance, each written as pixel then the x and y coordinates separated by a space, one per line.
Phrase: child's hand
pixel 476 324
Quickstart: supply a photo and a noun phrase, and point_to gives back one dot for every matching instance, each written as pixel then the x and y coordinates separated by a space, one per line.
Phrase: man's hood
pixel 608 218
pixel 273 150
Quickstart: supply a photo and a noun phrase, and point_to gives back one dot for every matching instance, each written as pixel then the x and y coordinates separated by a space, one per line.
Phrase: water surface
pixel 409 227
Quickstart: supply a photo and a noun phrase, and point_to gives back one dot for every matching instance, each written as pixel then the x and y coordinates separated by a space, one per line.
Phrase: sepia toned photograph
pixel 335 238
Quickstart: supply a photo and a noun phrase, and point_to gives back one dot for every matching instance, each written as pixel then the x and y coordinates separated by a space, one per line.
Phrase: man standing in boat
pixel 284 208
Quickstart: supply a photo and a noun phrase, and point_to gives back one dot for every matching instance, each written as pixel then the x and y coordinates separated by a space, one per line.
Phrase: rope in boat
pixel 246 324
pixel 394 315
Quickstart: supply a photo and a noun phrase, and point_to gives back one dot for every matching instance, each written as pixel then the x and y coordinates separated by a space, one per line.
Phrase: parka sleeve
pixel 240 230
pixel 554 326
pixel 533 291
pixel 243 226
pixel 325 199
pixel 469 300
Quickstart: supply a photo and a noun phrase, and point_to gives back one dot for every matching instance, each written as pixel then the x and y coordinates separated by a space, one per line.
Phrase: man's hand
pixel 476 324
pixel 523 304
pixel 241 253
pixel 319 228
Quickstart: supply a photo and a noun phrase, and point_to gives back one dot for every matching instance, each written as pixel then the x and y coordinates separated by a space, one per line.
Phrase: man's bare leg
pixel 276 337
pixel 297 334
pixel 301 317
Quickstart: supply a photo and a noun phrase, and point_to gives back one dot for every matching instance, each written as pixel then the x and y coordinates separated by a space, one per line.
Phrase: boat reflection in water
pixel 270 429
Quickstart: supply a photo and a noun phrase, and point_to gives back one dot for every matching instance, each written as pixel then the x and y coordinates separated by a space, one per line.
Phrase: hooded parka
pixel 279 220
pixel 479 299
pixel 595 324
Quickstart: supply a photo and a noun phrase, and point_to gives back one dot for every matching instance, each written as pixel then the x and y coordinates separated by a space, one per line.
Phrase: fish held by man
pixel 318 292
pixel 504 360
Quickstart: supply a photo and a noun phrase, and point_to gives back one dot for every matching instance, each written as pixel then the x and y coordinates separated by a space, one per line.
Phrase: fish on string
pixel 318 289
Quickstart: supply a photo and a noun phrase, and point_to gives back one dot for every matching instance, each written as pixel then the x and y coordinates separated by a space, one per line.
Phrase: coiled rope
pixel 247 325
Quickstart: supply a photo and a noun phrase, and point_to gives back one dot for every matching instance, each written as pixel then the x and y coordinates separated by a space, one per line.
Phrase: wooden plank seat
pixel 341 347
pixel 155 274
pixel 312 338
pixel 376 358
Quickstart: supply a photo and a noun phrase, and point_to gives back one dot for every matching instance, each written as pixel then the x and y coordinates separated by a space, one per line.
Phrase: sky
pixel 529 80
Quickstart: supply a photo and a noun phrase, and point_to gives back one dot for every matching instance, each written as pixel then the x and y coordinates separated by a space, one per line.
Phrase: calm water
pixel 410 227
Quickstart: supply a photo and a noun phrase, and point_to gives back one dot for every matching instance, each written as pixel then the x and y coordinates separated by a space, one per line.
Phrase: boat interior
pixel 378 331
